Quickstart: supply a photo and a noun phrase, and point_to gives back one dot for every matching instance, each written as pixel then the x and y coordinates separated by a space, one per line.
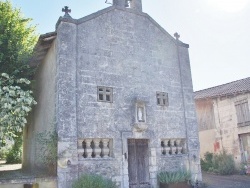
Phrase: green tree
pixel 15 104
pixel 17 40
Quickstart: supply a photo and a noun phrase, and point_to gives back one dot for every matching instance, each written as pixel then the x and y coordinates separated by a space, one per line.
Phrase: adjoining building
pixel 224 119
pixel 119 90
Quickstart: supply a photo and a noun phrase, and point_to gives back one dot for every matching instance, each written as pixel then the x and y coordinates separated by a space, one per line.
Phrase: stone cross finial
pixel 66 10
pixel 177 36
pixel 108 2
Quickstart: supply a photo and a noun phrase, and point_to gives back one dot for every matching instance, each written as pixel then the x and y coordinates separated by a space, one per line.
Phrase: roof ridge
pixel 223 84
pixel 230 88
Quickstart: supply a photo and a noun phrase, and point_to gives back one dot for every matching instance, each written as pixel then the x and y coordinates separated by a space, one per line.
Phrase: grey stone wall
pixel 43 114
pixel 128 51
pixel 193 145
pixel 116 50
pixel 66 102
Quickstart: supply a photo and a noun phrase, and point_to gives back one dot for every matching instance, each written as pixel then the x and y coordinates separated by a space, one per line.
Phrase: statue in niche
pixel 140 123
pixel 140 114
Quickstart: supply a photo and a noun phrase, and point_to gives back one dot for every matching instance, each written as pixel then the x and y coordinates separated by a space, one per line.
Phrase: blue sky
pixel 216 30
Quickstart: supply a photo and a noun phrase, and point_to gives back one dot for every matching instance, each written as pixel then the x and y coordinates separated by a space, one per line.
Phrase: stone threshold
pixel 28 180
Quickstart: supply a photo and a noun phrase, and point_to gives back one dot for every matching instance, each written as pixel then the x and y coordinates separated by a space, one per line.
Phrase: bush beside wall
pixel 222 163
pixel 93 181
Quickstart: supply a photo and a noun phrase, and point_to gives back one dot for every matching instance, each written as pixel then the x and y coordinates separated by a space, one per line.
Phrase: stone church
pixel 119 90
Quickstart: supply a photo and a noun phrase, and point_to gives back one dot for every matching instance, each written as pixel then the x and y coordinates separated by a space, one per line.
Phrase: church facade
pixel 119 89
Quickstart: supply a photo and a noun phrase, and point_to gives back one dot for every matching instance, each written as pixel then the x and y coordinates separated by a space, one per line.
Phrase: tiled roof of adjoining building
pixel 43 44
pixel 232 88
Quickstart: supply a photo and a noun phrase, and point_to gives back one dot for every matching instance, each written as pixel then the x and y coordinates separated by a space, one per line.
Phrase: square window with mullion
pixel 104 94
pixel 162 98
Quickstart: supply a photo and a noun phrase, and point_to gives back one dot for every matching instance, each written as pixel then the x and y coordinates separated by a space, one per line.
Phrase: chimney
pixel 134 4
pixel 119 3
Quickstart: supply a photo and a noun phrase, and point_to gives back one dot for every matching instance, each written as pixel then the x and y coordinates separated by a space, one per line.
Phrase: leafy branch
pixel 15 104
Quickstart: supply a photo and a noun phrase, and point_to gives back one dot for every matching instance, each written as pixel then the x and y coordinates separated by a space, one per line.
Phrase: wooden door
pixel 245 147
pixel 138 163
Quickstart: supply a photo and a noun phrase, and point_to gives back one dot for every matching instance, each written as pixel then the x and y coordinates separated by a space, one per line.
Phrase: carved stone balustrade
pixel 95 148
pixel 173 146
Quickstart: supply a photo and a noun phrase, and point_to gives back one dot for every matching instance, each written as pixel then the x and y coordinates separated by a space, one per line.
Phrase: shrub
pixel 207 162
pixel 174 177
pixel 3 152
pixel 14 156
pixel 93 181
pixel 222 163
pixel 242 168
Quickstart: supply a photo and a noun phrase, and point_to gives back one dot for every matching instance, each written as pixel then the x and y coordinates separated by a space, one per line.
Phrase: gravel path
pixel 232 181
pixel 8 172
pixel 210 180
pixel 5 167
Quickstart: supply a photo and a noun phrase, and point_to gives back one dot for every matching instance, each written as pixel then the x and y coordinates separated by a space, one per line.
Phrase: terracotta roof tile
pixel 232 88
pixel 43 44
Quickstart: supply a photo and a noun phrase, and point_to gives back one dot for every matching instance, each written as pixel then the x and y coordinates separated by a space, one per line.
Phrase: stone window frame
pixel 242 112
pixel 161 98
pixel 106 93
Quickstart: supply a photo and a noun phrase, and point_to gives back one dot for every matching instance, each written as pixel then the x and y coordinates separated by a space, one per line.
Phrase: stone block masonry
pixel 123 98
pixel 129 53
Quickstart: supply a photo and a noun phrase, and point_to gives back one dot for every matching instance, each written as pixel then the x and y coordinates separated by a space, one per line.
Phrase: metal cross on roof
pixel 177 36
pixel 66 10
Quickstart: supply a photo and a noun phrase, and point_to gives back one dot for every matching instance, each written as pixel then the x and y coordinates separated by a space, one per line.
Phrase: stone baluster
pixel 105 149
pixel 184 146
pixel 88 150
pixel 173 148
pixel 80 144
pixel 97 149
pixel 178 146
pixel 162 147
pixel 166 147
